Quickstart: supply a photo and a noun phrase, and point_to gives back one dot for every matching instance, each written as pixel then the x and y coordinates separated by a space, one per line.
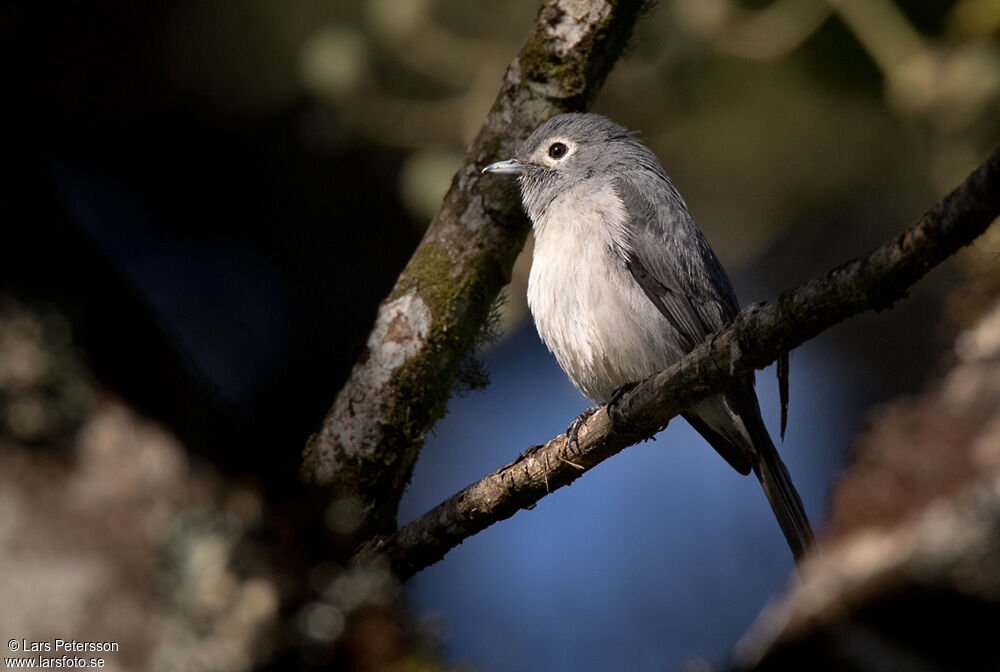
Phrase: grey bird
pixel 623 284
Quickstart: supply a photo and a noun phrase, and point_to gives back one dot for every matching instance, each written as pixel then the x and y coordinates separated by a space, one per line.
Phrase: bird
pixel 623 284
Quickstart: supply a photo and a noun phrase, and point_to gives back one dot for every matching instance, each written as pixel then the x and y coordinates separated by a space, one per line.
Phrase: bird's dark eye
pixel 557 150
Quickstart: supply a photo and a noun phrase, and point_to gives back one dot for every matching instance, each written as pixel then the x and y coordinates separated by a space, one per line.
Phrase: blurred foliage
pixel 764 112
pixel 118 535
pixel 44 391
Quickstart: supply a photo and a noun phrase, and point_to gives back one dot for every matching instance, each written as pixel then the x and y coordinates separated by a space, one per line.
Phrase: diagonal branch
pixel 369 442
pixel 760 334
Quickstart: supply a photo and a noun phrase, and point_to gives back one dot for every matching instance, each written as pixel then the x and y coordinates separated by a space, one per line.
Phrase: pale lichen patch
pixel 473 217
pixel 401 331
pixel 578 18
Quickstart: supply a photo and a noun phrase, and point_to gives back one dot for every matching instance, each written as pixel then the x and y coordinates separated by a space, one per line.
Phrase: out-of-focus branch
pixel 760 334
pixel 370 439
pixel 909 576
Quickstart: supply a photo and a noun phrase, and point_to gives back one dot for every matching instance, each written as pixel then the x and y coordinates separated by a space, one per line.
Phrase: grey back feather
pixel 671 260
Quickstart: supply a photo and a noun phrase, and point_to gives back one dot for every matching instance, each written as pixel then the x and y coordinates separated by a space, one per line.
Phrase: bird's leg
pixel 573 430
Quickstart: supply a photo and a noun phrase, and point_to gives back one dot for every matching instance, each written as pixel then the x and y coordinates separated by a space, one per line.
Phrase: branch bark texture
pixel 760 334
pixel 400 385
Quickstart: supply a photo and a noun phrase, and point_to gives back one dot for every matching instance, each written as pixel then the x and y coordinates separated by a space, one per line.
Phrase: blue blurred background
pixel 212 196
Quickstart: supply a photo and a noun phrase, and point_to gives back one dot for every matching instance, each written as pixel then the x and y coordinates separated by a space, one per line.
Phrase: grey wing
pixel 672 262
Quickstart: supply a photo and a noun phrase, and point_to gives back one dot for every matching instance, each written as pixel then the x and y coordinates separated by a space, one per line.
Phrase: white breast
pixel 588 309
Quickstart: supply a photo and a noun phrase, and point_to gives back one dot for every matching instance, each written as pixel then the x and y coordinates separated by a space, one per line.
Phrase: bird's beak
pixel 512 166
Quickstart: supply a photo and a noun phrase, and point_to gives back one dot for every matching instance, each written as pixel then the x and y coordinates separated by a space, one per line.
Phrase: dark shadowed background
pixel 204 202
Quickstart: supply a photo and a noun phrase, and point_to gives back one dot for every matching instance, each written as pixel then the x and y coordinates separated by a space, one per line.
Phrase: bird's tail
pixel 777 484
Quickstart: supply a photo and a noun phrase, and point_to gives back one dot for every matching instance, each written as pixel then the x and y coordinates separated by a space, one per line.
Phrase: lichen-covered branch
pixel 399 387
pixel 760 334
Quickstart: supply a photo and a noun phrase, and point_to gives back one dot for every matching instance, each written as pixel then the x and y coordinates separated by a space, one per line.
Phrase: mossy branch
pixel 760 334
pixel 399 387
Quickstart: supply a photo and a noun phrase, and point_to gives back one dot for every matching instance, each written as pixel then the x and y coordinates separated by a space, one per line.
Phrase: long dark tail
pixel 777 484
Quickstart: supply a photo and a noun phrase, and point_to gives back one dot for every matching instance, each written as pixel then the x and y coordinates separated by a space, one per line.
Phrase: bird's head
pixel 569 149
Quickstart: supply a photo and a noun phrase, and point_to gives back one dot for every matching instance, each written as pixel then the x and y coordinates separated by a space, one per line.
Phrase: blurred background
pixel 205 200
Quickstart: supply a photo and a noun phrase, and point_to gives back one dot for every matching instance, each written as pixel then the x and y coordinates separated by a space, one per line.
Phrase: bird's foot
pixel 573 431
pixel 620 392
pixel 616 396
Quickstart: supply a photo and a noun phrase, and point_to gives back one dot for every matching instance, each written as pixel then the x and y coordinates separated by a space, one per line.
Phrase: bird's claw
pixel 616 397
pixel 573 431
